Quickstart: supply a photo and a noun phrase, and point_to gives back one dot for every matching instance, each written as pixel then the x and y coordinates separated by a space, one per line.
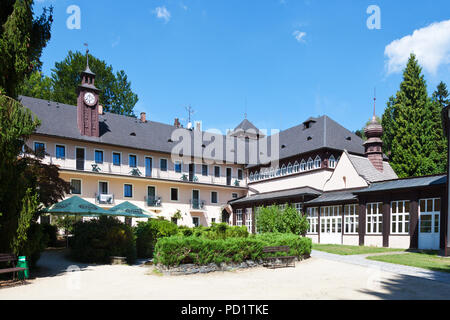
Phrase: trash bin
pixel 22 263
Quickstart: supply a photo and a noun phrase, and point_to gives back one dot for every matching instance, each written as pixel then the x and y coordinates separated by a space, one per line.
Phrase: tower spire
pixel 375 105
pixel 87 55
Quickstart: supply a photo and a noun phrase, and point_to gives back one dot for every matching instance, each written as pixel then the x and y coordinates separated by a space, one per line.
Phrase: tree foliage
pixel 274 220
pixel 115 95
pixel 413 133
pixel 22 39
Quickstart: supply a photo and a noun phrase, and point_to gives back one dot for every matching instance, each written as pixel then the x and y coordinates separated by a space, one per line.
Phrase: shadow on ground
pixel 405 287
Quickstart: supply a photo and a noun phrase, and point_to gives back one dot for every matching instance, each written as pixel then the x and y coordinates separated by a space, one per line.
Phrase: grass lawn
pixel 426 260
pixel 351 250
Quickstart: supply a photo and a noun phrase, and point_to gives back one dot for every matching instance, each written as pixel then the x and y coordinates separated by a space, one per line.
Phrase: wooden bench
pixel 11 259
pixel 286 261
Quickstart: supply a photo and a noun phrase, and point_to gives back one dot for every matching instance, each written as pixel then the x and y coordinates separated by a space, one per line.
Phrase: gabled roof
pixel 335 196
pixel 246 125
pixel 366 170
pixel 408 183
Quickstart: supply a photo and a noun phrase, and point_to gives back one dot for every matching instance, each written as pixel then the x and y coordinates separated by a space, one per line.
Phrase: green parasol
pixel 129 210
pixel 76 206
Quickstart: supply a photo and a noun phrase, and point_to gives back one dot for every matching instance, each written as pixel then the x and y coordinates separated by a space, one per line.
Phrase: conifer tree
pixel 413 132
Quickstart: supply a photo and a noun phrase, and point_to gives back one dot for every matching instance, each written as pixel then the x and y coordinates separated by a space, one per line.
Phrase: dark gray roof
pixel 277 195
pixel 60 120
pixel 398 184
pixel 334 196
pixel 366 170
pixel 323 132
pixel 246 125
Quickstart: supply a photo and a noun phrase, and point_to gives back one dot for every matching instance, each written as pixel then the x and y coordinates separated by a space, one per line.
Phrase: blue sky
pixel 281 61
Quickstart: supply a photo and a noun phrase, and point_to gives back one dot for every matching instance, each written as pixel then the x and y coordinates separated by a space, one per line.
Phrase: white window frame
pixel 375 218
pixel 103 156
pixel 351 219
pixel 112 158
pixel 400 218
pixel 332 162
pixel 181 166
pixel 310 164
pixel 248 221
pixel 303 166
pixel 318 163
pixel 312 215
pixel 137 160
pixel 433 212
pixel 250 178
pixel 299 207
pixel 239 213
pixel 167 165
pixel 98 186
pixel 297 167
pixel 45 147
pixel 290 168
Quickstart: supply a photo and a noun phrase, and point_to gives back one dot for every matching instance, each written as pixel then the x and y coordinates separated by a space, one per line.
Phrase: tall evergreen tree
pixel 22 39
pixel 412 127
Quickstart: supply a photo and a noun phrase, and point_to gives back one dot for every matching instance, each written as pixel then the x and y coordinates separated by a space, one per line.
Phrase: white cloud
pixel 431 45
pixel 299 36
pixel 162 13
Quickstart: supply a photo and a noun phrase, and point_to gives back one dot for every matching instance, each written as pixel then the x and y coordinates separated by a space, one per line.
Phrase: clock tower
pixel 87 103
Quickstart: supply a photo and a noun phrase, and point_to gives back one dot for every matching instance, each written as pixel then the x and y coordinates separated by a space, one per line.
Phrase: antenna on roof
pixel 245 114
pixel 190 113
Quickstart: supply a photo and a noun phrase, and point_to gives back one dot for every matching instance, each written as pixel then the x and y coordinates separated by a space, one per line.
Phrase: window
pixel 332 162
pixel 196 221
pixel 213 220
pixel 205 170
pixel 283 170
pixel 217 172
pixel 331 219
pixel 240 174
pixel 234 195
pixel 132 160
pixel 282 206
pixel 298 207
pixel 400 217
pixel 430 210
pixel 174 194
pixel 98 156
pixel 272 172
pixel 317 163
pixel 75 186
pixel 239 217
pixel 116 159
pixel 214 197
pixel 310 164
pixel 178 166
pixel 251 177
pixel 278 172
pixel 60 152
pixel 39 148
pixel 248 221
pixel 374 224
pixel 163 164
pixel 303 166
pixel 128 191
pixel 289 168
pixel 351 217
pixel 313 219
pixel 256 176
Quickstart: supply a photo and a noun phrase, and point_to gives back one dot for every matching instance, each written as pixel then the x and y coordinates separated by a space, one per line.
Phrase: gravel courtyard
pixel 315 278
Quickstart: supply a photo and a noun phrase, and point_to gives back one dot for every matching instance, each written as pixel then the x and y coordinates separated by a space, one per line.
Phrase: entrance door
pixel 103 187
pixel 429 224
pixel 331 225
pixel 80 158
pixel 148 167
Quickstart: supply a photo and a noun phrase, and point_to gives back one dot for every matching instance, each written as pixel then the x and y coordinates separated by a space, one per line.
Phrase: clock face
pixel 89 98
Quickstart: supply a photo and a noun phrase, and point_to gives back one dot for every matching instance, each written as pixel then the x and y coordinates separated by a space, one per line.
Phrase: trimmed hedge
pixel 176 250
pixel 147 233
pixel 96 241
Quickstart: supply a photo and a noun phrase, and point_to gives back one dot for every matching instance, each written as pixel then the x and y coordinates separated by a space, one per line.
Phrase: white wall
pixel 400 242
pixel 344 169
pixel 373 241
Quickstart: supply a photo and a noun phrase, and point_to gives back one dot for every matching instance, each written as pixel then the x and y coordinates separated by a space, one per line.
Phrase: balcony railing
pixel 104 199
pixel 197 204
pixel 154 202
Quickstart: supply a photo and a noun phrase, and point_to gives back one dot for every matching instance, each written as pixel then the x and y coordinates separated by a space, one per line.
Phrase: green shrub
pixel 36 243
pixel 52 232
pixel 147 233
pixel 273 219
pixel 96 241
pixel 176 250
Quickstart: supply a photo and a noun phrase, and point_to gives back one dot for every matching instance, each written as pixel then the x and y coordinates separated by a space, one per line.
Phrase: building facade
pixel 343 184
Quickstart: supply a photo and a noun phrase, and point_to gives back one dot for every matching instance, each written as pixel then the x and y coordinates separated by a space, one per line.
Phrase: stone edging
pixel 187 269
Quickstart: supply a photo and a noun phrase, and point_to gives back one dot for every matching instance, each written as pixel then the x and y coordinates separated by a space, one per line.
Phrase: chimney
pixel 143 117
pixel 374 145
pixel 177 123
pixel 100 109
pixel 198 126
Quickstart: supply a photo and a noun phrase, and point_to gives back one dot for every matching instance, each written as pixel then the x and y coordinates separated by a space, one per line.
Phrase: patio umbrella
pixel 127 209
pixel 76 206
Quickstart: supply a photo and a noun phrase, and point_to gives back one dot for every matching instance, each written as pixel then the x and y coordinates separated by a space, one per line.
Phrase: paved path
pixel 315 278
pixel 384 266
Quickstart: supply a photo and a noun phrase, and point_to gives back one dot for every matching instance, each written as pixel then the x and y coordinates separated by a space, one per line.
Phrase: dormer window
pixel 332 162
pixel 310 164
pixel 318 163
pixel 283 170
pixel 303 166
pixel 296 167
pixel 289 168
